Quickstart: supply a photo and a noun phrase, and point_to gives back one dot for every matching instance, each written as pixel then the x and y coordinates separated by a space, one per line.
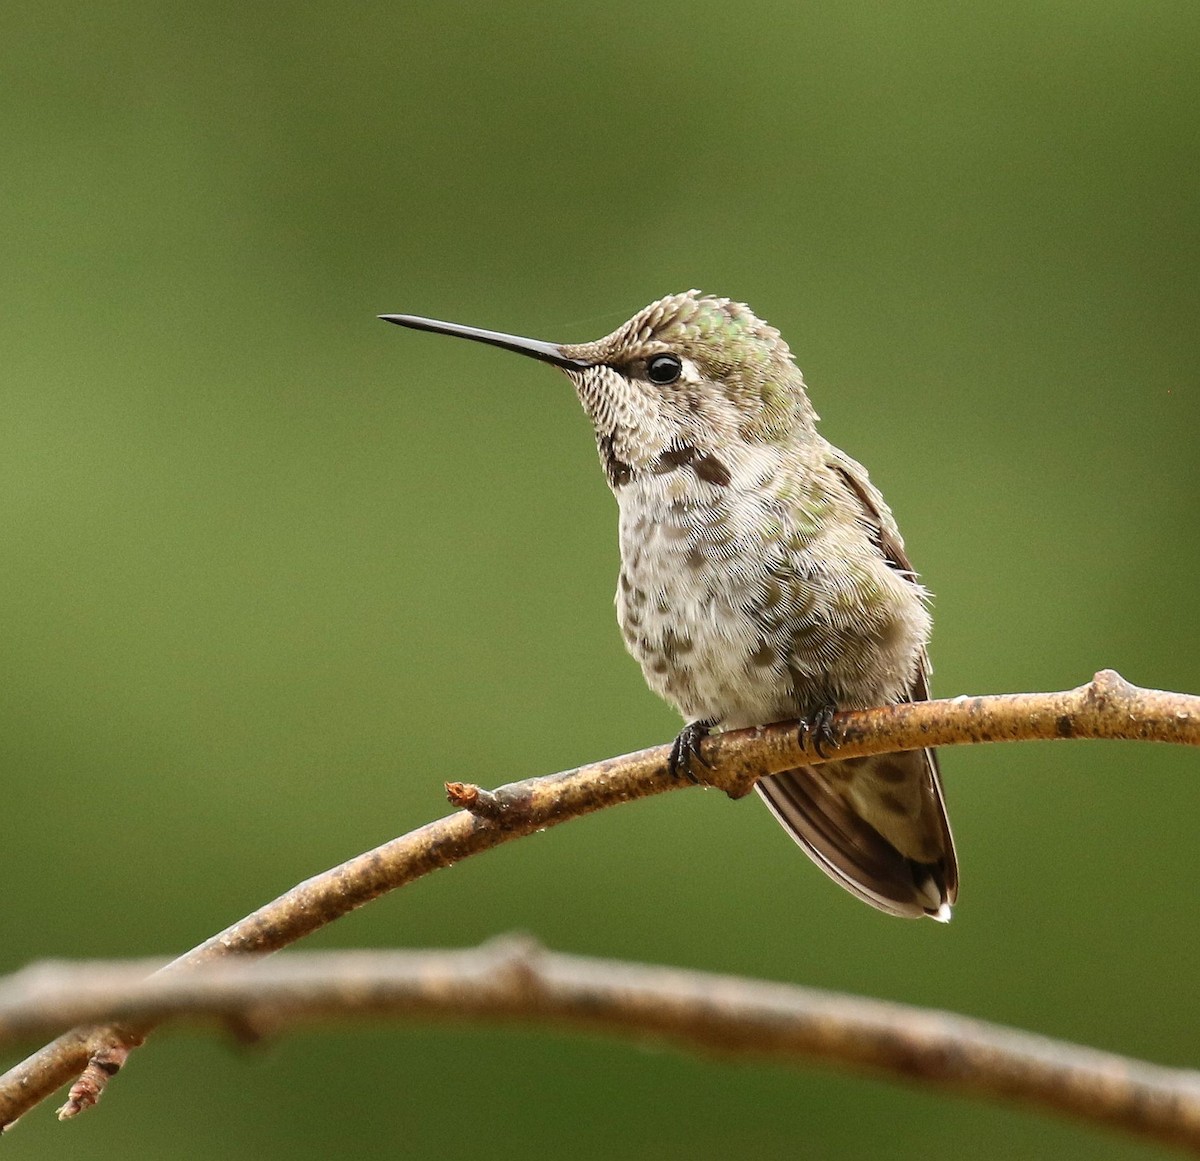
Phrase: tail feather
pixel 877 826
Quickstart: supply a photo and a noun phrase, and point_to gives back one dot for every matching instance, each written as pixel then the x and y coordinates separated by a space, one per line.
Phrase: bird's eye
pixel 664 369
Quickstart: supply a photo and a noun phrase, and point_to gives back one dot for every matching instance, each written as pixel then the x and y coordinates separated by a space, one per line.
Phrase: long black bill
pixel 535 348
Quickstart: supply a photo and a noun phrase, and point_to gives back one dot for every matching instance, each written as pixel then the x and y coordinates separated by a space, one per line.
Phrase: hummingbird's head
pixel 686 372
pixel 699 365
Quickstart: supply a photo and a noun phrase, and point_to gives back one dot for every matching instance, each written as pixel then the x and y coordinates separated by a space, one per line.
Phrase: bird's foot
pixel 817 727
pixel 686 750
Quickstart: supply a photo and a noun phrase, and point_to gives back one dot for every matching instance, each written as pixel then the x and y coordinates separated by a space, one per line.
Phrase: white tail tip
pixel 942 914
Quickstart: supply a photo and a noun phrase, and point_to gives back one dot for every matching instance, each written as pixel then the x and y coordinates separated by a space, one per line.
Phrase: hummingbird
pixel 762 578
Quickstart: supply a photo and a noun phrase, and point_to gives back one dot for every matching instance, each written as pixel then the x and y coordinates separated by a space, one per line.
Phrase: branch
pixel 514 980
pixel 1107 707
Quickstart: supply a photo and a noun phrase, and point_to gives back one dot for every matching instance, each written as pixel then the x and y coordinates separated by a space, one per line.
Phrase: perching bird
pixel 762 577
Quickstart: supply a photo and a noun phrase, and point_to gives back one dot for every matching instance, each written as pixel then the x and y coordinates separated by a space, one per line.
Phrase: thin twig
pixel 1107 707
pixel 513 980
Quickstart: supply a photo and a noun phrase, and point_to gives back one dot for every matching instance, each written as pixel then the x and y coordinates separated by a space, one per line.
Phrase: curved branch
pixel 512 980
pixel 1107 707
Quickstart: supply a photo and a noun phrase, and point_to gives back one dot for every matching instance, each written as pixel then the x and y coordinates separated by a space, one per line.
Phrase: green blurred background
pixel 273 571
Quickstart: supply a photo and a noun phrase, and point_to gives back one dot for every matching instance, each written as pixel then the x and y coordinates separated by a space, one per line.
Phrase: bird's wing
pixel 876 825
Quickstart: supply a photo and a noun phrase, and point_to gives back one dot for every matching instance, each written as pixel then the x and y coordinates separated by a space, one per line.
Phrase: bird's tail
pixel 875 825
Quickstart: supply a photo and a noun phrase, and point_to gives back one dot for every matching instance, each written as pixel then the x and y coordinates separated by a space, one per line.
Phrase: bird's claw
pixel 818 729
pixel 686 750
